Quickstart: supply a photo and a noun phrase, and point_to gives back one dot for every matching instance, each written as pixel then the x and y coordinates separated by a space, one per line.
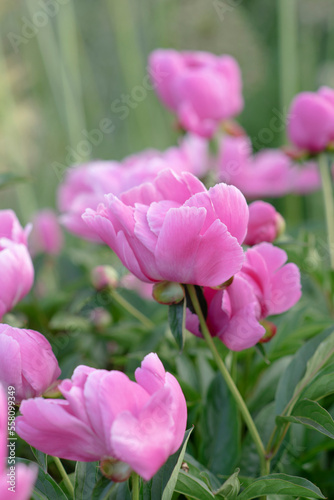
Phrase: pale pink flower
pixel 46 236
pixel 107 417
pixel 265 223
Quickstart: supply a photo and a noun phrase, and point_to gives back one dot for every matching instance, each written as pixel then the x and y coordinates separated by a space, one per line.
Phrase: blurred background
pixel 69 68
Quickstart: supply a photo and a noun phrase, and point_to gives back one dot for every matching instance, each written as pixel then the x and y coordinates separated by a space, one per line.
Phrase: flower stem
pixel 135 486
pixel 132 310
pixel 229 381
pixel 327 190
pixel 64 475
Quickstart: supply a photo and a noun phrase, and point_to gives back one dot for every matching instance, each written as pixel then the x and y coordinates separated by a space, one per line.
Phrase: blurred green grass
pixel 65 78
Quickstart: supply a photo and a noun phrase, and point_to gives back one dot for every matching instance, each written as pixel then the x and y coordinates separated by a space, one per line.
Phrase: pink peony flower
pixel 269 173
pixel 25 477
pixel 311 120
pixel 26 362
pixel 263 287
pixel 105 416
pixel 130 282
pixel 265 224
pixel 201 88
pixel 16 269
pixel 46 236
pixel 173 229
pixel 85 185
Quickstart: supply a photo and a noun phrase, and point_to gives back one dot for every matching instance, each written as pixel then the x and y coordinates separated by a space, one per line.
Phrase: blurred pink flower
pixel 143 289
pixel 24 477
pixel 174 229
pixel 46 236
pixel 311 120
pixel 16 269
pixel 85 185
pixel 201 88
pixel 269 173
pixel 105 416
pixel 263 287
pixel 26 362
pixel 265 224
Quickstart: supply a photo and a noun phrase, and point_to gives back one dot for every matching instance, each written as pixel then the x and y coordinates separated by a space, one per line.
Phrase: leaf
pixel 170 486
pixel 102 489
pixel 322 385
pixel 177 320
pixel 86 476
pixel 192 487
pixel 281 484
pixel 163 483
pixel 230 489
pixel 220 449
pixel 46 487
pixel 322 355
pixel 312 415
pixel 41 458
pixel 8 178
pixel 295 371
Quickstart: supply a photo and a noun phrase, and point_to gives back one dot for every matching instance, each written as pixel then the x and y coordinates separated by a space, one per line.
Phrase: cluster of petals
pixel 269 173
pixel 265 286
pixel 16 269
pixel 46 235
pixel 311 120
pixel 24 477
pixel 85 185
pixel 105 416
pixel 174 229
pixel 265 223
pixel 26 362
pixel 201 88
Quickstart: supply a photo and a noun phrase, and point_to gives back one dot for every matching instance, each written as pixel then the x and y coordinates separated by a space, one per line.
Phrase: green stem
pixel 64 475
pixel 229 381
pixel 135 486
pixel 132 310
pixel 327 190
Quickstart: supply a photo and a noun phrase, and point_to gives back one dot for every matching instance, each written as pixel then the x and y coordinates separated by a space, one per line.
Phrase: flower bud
pixel 115 470
pixel 104 277
pixel 100 318
pixel 265 224
pixel 168 292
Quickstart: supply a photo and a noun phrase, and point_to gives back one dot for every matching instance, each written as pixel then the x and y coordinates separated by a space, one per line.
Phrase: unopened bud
pixel 104 277
pixel 100 318
pixel 168 292
pixel 280 225
pixel 271 330
pixel 115 470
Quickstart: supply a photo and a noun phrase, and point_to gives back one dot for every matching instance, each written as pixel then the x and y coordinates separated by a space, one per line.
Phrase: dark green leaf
pixel 281 484
pixel 192 487
pixel 41 458
pixel 177 318
pixel 230 489
pixel 163 483
pixel 86 476
pixel 321 385
pixel 102 489
pixel 46 487
pixel 220 449
pixel 296 371
pixel 312 415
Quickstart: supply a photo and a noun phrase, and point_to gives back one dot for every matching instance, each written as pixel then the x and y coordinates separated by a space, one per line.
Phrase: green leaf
pixel 41 458
pixel 281 484
pixel 322 355
pixel 177 319
pixel 170 486
pixel 46 487
pixel 161 486
pixel 230 489
pixel 86 476
pixel 192 487
pixel 102 489
pixel 8 178
pixel 296 371
pixel 322 385
pixel 312 415
pixel 220 449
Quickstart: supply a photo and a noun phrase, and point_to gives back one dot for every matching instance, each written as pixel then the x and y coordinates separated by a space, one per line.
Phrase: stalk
pixel 64 475
pixel 327 190
pixel 135 486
